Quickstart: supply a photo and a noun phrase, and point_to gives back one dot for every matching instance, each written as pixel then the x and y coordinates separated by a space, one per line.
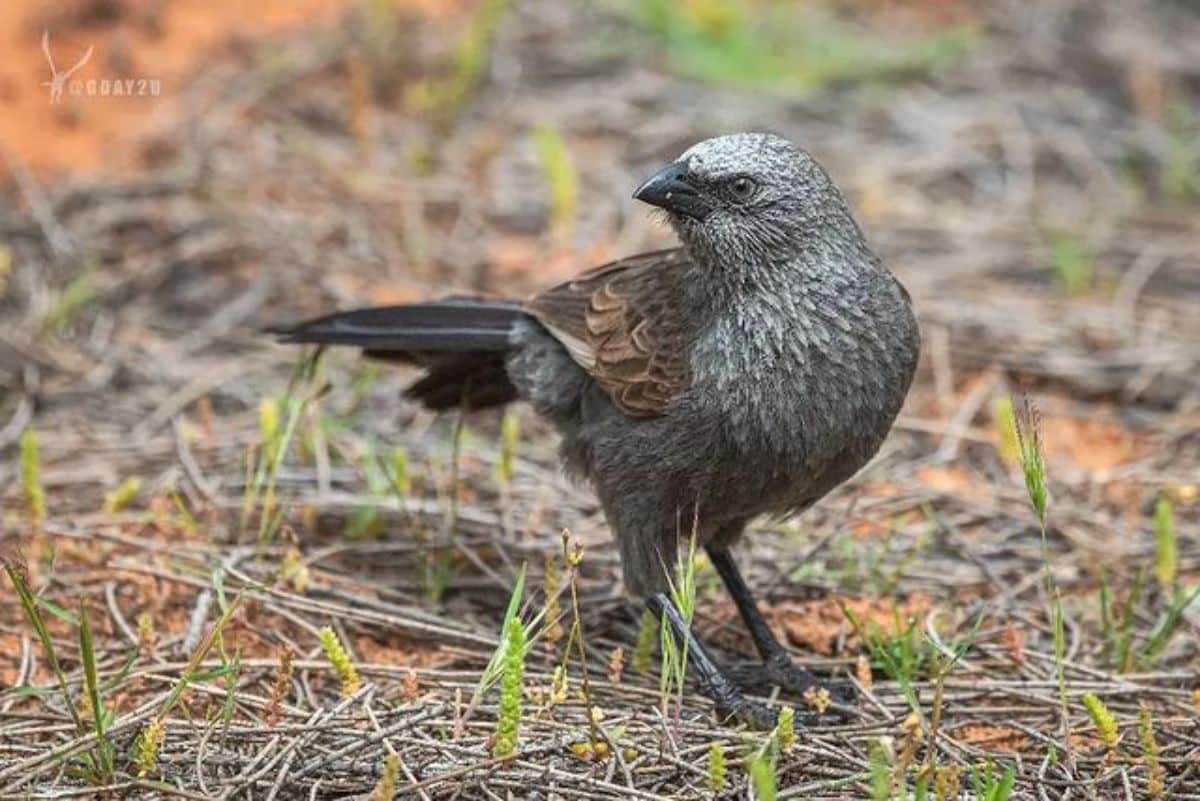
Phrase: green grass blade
pixel 1166 629
pixel 493 671
pixel 91 682
pixel 31 607
pixel 59 612
pixel 191 672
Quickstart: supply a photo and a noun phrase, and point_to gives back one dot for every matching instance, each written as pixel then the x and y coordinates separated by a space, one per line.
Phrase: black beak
pixel 671 188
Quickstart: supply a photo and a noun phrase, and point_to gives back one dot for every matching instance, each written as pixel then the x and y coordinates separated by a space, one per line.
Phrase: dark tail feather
pixel 460 342
pixel 469 380
pixel 455 324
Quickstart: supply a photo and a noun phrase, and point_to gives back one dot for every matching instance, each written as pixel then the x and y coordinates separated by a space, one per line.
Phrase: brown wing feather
pixel 612 320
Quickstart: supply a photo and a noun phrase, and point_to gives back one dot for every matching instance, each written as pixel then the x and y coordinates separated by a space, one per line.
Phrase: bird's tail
pixel 462 344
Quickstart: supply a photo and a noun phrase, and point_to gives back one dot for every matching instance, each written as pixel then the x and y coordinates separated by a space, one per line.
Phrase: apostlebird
pixel 747 372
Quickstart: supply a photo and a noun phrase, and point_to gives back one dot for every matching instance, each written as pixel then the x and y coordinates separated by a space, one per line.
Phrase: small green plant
pixel 786 48
pixel 444 99
pixel 496 666
pixel 366 377
pixel 1103 720
pixel 31 605
pixel 552 612
pixel 1119 624
pixel 268 420
pixel 674 657
pixel 879 758
pixel 102 757
pixel 512 690
pixel 401 477
pixel 717 771
pixel 889 772
pixel 147 636
pixel 385 789
pixel 1181 165
pixel 183 516
pixel 294 570
pixel 1167 627
pixel 31 477
pixel 708 582
pixel 436 572
pixel 560 685
pixel 93 715
pixel 762 777
pixel 149 742
pixel 561 178
pixel 72 299
pixel 342 665
pixel 785 730
pixel 643 649
pixel 510 441
pixel 194 670
pixel 1156 774
pixel 120 498
pixel 992 786
pixel 1166 550
pixel 902 653
pixel 1033 462
pixel 1005 419
pixel 231 666
pixel 947 782
pixel 367 520
pixel 1073 263
pixel 439 564
pixel 942 667
pixel 1033 467
pixel 264 462
pixel 1060 651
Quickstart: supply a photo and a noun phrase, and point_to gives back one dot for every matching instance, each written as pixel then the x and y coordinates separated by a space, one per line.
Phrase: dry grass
pixel 272 208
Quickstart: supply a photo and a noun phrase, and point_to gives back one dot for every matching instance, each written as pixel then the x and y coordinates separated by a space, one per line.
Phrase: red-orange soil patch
pixel 400 654
pixel 993 738
pixel 817 625
pixel 1096 445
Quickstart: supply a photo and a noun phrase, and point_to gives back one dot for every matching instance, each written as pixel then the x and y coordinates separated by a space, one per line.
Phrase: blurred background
pixel 1030 171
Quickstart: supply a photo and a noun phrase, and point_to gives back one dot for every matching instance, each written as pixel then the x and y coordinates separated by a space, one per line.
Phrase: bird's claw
pixel 792 678
pixel 751 714
pixel 780 671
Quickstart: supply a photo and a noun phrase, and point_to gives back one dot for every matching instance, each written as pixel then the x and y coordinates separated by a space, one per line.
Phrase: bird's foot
pixel 753 715
pixel 780 671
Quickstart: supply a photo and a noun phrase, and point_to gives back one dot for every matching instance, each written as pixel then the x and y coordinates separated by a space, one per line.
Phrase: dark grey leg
pixel 730 703
pixel 778 667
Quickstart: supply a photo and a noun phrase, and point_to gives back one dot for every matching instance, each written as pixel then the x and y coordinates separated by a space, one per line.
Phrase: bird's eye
pixel 742 188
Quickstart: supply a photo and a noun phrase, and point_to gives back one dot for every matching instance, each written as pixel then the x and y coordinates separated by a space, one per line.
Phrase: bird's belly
pixel 781 457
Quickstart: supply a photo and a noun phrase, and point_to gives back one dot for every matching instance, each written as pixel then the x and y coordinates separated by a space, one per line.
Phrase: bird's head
pixel 748 197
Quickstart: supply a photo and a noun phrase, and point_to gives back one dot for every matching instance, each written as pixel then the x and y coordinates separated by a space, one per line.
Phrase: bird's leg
pixel 778 667
pixel 730 703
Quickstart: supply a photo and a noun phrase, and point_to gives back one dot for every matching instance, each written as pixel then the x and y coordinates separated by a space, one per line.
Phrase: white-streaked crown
pixel 730 154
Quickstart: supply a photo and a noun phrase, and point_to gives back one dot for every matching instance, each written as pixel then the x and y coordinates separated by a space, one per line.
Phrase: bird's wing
pixel 618 324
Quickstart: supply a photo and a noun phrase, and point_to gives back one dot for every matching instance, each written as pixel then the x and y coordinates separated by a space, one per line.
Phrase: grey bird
pixel 746 373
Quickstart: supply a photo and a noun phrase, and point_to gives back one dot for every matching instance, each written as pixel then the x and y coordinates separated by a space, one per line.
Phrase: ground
pixel 1031 172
